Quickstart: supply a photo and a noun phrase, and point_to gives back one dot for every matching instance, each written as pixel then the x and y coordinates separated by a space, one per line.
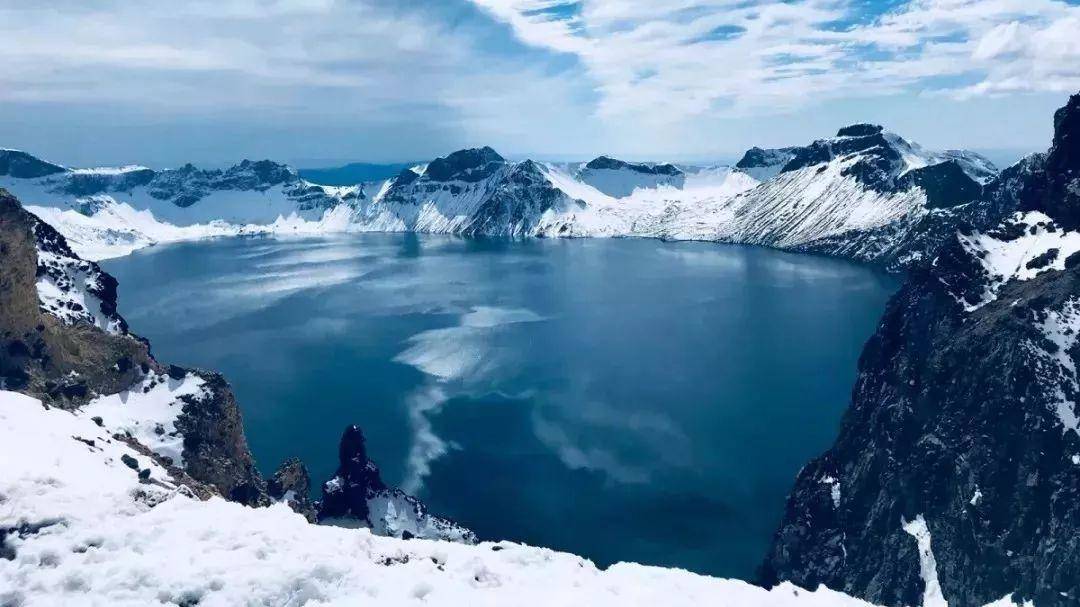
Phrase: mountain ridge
pixel 864 194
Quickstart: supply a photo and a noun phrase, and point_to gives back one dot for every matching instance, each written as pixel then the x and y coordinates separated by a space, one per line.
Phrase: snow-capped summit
pixel 619 178
pixel 884 161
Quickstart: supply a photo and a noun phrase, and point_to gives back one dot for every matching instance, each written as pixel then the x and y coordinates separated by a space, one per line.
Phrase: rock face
pixel 963 436
pixel 763 164
pixel 292 485
pixel 357 496
pixel 68 344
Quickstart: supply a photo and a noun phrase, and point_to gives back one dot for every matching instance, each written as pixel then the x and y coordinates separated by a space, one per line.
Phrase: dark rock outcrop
pixel 292 484
pixel 356 480
pixel 946 184
pixel 962 414
pixel 357 495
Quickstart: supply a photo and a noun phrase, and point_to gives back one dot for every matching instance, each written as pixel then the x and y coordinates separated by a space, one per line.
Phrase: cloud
pixel 363 64
pixel 95 81
pixel 672 60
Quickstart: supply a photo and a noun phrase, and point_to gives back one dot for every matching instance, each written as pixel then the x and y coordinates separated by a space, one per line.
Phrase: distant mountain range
pixel 865 194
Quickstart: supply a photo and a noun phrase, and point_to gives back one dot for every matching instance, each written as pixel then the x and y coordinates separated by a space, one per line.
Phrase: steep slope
pixel 957 469
pixel 63 342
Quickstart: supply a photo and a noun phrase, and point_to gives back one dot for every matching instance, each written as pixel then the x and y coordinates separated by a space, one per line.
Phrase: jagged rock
pixel 357 477
pixel 49 348
pixel 215 448
pixel 292 485
pixel 963 417
pixel 356 495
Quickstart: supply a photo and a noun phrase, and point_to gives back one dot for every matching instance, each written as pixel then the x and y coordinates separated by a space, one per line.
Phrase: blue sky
pixel 325 81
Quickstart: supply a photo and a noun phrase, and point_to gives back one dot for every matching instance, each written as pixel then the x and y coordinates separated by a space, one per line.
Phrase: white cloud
pixel 674 60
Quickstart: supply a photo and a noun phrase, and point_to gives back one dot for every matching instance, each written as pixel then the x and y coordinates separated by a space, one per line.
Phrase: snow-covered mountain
pixel 865 194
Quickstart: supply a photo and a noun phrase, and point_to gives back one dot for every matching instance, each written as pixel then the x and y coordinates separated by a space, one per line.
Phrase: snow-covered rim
pixel 95 532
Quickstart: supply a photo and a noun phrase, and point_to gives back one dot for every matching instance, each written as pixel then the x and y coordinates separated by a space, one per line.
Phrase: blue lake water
pixel 621 399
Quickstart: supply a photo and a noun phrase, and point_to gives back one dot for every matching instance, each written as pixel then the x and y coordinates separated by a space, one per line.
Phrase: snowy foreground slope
pixel 80 527
pixel 865 194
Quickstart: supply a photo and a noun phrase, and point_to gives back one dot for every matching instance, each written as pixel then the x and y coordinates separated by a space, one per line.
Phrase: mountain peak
pixel 472 164
pixel 1060 197
pixel 861 129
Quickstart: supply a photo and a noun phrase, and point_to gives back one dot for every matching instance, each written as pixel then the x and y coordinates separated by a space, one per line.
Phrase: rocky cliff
pixel 956 474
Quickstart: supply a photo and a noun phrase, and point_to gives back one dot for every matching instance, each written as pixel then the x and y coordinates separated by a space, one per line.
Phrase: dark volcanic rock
pixel 356 480
pixel 759 157
pixel 961 415
pixel 292 484
pixel 946 184
pixel 1059 195
pixel 859 130
pixel 63 365
pixel 215 448
pixel 357 495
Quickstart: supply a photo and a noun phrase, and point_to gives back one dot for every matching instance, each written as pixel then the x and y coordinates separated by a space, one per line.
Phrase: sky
pixel 322 82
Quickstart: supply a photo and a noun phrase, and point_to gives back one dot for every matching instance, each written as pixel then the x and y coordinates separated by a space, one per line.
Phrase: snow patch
pixel 932 595
pixel 1019 258
pixel 1061 327
pixel 66 289
pixel 148 411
